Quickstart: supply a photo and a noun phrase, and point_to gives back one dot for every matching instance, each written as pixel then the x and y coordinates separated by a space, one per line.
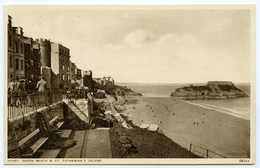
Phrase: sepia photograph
pixel 129 84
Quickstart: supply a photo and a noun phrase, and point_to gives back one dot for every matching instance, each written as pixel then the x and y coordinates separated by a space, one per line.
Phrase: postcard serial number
pixel 243 160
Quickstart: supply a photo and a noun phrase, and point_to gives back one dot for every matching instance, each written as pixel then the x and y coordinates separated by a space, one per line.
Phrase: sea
pixel 239 107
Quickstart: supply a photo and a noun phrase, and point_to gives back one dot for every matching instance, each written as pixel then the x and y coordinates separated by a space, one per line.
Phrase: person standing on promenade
pixel 17 92
pixel 29 91
pixel 89 97
pixel 41 86
pixel 22 86
pixel 11 86
pixel 11 89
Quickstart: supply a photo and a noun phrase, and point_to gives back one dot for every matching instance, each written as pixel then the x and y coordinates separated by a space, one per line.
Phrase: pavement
pixel 97 144
pixel 76 151
pixel 92 143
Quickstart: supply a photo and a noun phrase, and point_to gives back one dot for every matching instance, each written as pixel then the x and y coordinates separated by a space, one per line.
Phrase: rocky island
pixel 212 90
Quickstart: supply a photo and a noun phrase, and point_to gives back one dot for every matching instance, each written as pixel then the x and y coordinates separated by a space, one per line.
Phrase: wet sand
pixel 186 123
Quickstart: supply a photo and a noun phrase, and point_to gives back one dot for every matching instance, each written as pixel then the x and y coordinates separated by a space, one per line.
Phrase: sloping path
pixel 97 144
pixel 80 108
pixel 118 117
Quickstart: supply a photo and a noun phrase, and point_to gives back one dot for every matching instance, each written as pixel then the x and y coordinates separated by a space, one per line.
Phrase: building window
pixel 26 53
pixel 21 48
pixel 62 67
pixel 39 70
pixel 9 40
pixel 63 77
pixel 68 69
pixel 22 65
pixel 16 64
pixel 11 61
pixel 16 47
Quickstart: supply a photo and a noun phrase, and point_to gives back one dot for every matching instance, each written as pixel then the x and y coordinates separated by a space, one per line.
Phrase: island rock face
pixel 213 89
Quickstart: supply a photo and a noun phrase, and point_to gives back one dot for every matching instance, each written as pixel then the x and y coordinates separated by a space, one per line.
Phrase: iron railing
pixel 22 103
pixel 203 152
pixel 76 95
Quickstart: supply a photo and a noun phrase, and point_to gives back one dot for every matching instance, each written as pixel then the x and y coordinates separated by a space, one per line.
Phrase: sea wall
pixel 73 120
pixel 20 127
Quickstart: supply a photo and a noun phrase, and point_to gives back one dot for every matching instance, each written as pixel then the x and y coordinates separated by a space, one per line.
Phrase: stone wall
pixel 73 121
pixel 20 127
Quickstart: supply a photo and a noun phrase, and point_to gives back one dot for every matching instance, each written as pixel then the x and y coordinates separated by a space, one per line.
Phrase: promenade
pixel 93 143
pixel 97 144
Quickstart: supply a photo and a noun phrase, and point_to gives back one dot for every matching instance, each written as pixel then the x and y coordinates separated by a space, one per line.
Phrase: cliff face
pixel 211 90
pixel 116 90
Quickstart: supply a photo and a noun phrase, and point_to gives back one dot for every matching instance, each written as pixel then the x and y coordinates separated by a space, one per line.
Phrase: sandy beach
pixel 185 123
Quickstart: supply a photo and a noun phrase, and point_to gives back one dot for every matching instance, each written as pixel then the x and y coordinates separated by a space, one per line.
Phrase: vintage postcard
pixel 129 84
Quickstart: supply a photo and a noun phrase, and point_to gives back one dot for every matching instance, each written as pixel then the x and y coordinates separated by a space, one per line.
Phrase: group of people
pixel 17 87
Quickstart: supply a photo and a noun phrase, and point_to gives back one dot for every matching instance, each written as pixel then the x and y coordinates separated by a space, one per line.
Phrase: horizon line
pixel 174 83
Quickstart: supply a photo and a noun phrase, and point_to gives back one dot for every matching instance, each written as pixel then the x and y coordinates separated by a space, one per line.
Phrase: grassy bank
pixel 148 145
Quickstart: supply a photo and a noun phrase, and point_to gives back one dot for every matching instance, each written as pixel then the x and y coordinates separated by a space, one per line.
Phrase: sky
pixel 147 44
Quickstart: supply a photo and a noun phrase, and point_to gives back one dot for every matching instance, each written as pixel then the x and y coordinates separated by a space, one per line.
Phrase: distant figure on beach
pixel 41 85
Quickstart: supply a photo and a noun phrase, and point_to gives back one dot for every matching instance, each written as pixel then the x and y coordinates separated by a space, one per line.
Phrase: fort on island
pixel 212 90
